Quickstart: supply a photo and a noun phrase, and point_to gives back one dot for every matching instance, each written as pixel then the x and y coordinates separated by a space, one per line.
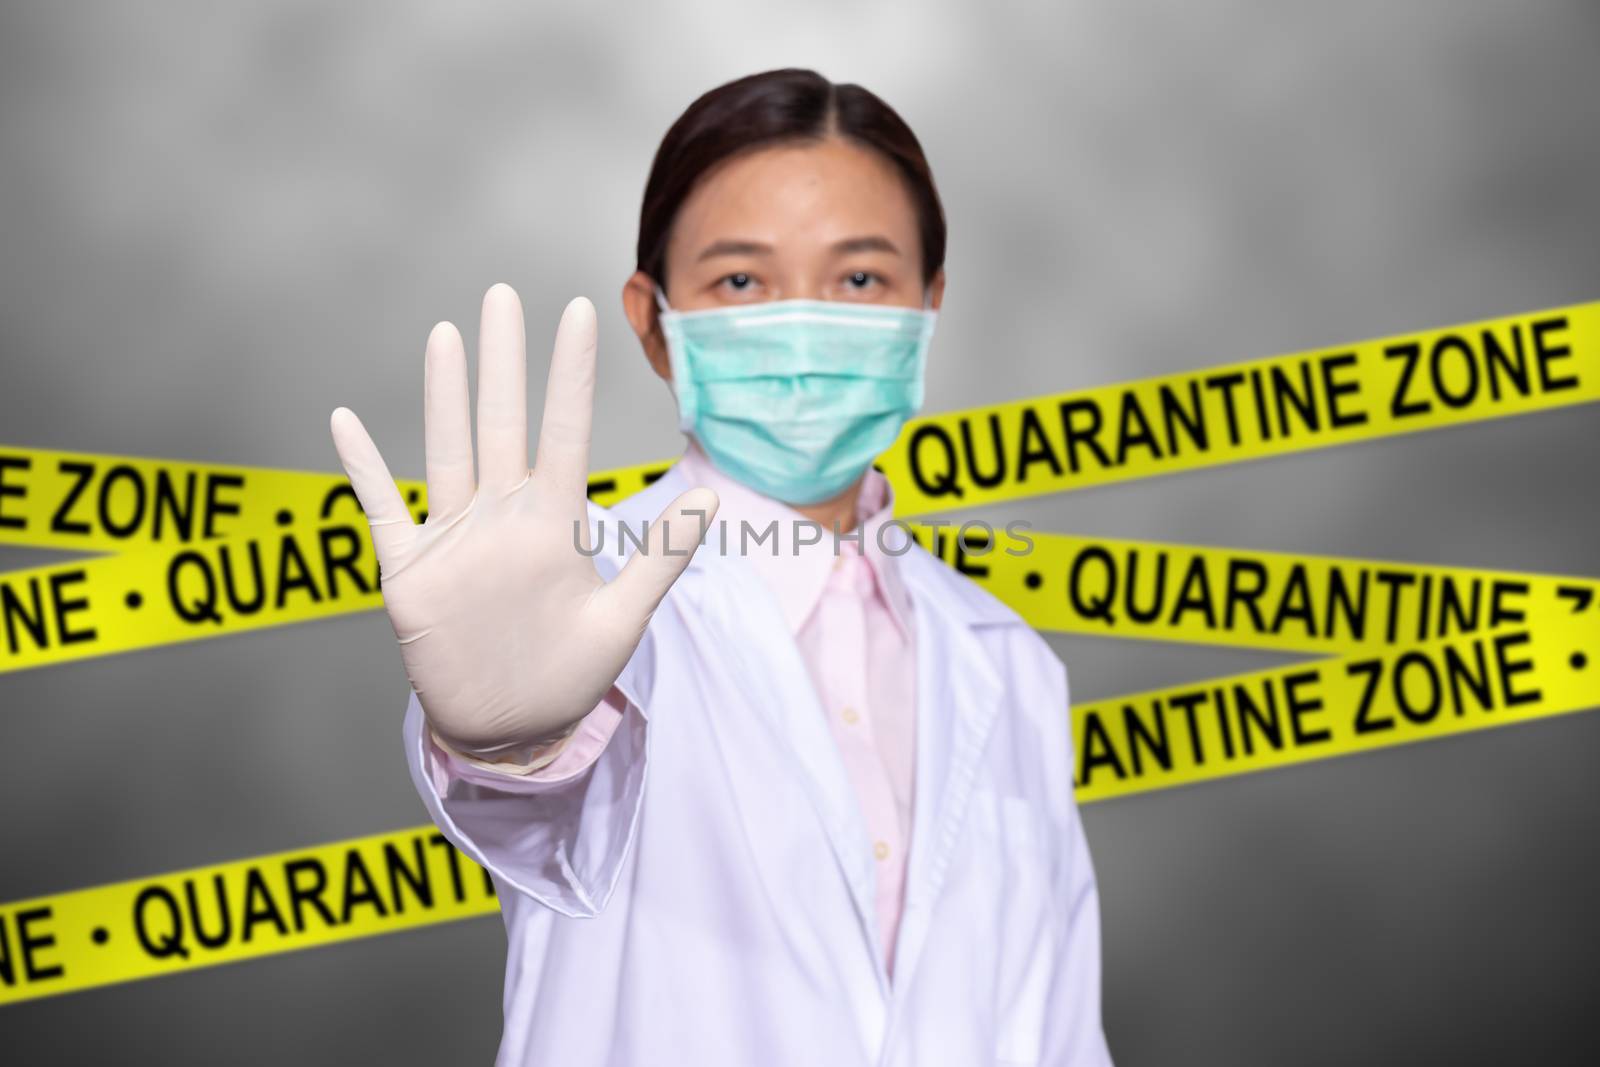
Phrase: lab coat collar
pixel 958 597
pixel 795 569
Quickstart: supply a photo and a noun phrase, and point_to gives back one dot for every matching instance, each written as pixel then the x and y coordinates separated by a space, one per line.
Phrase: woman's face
pixel 825 220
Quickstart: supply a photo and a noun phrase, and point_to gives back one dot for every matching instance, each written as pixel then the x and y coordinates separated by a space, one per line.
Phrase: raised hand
pixel 508 632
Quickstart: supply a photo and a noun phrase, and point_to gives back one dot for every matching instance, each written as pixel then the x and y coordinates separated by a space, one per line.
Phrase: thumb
pixel 669 545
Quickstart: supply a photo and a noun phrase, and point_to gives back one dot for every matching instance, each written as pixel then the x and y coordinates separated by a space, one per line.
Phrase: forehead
pixel 797 195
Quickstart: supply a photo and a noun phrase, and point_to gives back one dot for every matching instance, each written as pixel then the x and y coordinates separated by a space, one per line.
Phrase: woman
pixel 782 788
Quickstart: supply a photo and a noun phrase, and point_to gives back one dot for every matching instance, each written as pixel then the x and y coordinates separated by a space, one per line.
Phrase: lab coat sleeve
pixel 560 839
pixel 1074 1033
pixel 566 759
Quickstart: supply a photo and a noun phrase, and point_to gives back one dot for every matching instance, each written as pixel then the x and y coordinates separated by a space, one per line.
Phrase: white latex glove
pixel 508 633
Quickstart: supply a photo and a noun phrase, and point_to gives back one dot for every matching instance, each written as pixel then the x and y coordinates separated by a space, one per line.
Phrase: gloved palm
pixel 508 632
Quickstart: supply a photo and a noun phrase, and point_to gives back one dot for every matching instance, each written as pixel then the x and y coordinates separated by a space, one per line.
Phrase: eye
pixel 738 282
pixel 862 281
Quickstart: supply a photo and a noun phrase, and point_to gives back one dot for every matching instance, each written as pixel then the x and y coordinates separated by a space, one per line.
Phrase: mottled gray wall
pixel 218 222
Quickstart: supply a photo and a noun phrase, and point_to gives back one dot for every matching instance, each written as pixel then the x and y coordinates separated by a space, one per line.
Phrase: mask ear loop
pixel 678 384
pixel 930 318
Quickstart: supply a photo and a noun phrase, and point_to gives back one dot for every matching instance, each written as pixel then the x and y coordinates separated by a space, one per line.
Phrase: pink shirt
pixel 852 621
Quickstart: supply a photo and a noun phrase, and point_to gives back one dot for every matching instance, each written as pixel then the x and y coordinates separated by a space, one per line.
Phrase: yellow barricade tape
pixel 1247 598
pixel 113 503
pixel 168 595
pixel 1333 707
pixel 1537 361
pixel 1223 596
pixel 1270 407
pixel 169 923
pixel 236 911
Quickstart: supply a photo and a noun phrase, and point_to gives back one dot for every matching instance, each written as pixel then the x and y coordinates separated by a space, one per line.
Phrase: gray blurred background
pixel 218 223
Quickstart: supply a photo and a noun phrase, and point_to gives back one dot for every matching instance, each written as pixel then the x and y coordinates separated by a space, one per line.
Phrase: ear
pixel 639 305
pixel 936 289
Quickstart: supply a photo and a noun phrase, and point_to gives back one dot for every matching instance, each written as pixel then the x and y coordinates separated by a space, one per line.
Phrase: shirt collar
pixel 764 532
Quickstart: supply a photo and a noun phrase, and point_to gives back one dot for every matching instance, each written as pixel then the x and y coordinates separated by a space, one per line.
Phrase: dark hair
pixel 768 108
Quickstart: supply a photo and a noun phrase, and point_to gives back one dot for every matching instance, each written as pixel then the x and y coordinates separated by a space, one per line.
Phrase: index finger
pixel 564 431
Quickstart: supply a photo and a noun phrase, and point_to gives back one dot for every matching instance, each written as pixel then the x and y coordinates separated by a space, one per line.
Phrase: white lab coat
pixel 704 895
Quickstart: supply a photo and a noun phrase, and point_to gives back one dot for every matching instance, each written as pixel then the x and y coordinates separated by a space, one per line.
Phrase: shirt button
pixel 880 849
pixel 849 715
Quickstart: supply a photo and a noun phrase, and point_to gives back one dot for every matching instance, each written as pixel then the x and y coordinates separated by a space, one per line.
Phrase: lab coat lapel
pixel 959 695
pixel 724 588
pixel 800 729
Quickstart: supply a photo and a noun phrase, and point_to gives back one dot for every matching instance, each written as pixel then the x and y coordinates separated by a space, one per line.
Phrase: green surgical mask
pixel 796 398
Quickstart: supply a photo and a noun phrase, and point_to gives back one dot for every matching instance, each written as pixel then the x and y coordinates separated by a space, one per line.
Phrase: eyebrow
pixel 873 243
pixel 734 248
pixel 730 247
